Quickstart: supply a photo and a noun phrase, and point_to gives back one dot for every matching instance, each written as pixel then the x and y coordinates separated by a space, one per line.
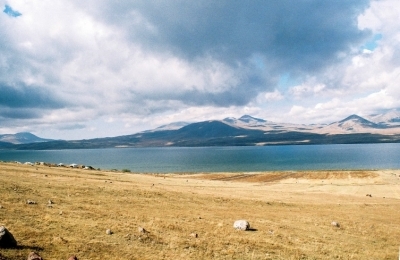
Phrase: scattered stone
pixel 335 224
pixel 7 240
pixel 60 212
pixel 195 235
pixel 50 203
pixel 1 207
pixel 109 232
pixel 142 230
pixel 30 202
pixel 241 225
pixel 34 256
pixel 73 257
pixel 369 195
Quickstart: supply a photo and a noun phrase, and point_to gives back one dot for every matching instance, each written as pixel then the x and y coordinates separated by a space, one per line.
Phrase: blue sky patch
pixel 9 11
pixel 373 43
pixel 287 81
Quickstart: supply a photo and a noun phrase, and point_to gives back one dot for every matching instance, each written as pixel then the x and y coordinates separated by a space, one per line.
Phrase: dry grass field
pixel 290 213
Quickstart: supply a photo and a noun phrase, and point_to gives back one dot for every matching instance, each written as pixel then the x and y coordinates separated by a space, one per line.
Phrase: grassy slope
pixel 291 215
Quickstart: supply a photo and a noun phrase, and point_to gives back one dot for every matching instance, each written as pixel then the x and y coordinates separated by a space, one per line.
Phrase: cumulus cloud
pixel 305 90
pixel 273 96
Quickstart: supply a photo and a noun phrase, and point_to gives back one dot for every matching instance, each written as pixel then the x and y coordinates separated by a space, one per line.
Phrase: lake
pixel 223 159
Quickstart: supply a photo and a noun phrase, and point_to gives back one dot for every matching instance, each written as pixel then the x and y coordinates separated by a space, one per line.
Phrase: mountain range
pixel 22 138
pixel 243 131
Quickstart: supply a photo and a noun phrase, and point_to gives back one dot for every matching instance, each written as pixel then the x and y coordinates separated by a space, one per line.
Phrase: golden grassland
pixel 290 212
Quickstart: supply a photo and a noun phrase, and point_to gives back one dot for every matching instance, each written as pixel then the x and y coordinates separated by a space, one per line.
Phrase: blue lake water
pixel 223 159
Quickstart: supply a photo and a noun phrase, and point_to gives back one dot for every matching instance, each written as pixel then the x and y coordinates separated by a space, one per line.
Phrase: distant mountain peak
pixel 391 117
pixel 25 135
pixel 248 119
pixel 354 117
pixel 245 121
pixel 353 121
pixel 230 120
pixel 22 138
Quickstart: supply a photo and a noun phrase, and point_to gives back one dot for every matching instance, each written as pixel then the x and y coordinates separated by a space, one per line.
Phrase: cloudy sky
pixel 80 69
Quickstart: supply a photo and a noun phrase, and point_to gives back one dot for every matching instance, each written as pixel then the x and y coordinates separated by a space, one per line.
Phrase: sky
pixel 74 69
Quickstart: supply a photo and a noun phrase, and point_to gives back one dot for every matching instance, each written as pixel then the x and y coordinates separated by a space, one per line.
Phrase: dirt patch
pixel 279 176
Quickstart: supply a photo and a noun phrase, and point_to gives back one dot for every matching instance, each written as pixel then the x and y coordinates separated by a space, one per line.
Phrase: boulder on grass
pixel 241 225
pixel 335 224
pixel 7 240
pixel 34 256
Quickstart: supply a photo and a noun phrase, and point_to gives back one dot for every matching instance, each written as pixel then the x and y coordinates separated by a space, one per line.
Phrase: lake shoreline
pixel 223 159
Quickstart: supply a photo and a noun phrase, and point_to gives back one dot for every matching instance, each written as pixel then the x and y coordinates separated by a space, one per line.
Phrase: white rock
pixel 335 224
pixel 241 225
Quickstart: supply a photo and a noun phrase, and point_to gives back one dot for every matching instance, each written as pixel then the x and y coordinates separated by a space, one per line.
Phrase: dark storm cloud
pixel 265 39
pixel 235 95
pixel 295 35
pixel 24 96
pixel 19 113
